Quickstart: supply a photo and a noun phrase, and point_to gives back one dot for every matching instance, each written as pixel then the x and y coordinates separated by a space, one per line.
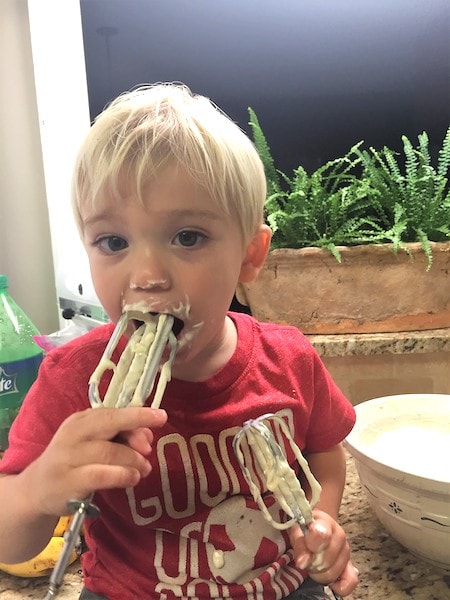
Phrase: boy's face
pixel 178 254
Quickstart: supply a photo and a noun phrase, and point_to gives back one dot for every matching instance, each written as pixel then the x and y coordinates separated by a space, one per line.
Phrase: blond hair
pixel 155 126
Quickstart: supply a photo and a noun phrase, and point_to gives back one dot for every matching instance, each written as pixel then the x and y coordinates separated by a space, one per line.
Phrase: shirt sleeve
pixel 59 390
pixel 332 415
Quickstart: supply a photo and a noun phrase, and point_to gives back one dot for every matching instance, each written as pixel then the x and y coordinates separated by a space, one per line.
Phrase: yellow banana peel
pixel 42 564
pixel 62 526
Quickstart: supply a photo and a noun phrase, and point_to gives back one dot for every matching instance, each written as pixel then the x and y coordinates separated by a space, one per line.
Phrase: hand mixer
pixel 263 462
pixel 131 384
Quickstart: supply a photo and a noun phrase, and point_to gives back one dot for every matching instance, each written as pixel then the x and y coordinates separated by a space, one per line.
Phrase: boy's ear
pixel 255 254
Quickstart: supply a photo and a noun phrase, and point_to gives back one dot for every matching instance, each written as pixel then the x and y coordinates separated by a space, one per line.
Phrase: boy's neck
pixel 214 357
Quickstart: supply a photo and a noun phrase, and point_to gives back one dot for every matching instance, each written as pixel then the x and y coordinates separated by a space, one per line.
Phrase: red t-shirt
pixel 191 529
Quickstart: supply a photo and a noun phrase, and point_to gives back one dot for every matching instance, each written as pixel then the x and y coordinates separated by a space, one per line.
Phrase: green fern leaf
pixel 259 139
pixel 444 156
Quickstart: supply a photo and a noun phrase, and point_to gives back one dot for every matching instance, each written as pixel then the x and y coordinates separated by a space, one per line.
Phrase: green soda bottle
pixel 20 358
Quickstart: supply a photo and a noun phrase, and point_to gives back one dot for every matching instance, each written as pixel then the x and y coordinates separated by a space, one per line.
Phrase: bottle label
pixel 16 379
pixel 7 383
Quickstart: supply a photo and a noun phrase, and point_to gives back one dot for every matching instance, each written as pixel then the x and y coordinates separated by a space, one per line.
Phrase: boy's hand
pixel 324 552
pixel 94 449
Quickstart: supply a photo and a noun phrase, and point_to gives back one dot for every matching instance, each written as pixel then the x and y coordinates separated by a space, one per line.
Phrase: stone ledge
pixel 367 344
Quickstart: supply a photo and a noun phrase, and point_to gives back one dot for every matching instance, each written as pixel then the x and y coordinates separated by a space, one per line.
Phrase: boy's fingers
pixel 297 539
pixel 106 423
pixel 318 536
pixel 347 581
pixel 140 439
pixel 310 546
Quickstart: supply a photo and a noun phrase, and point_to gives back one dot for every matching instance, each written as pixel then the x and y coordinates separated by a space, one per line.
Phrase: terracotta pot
pixel 372 290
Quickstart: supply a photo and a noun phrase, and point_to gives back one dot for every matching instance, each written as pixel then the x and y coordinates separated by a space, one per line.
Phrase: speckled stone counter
pixel 409 342
pixel 371 365
pixel 387 570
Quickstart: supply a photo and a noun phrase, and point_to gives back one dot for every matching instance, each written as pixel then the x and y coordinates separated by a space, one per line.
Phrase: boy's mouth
pixel 177 326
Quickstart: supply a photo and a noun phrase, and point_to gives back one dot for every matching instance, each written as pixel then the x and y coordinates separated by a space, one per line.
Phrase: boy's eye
pixel 111 243
pixel 188 239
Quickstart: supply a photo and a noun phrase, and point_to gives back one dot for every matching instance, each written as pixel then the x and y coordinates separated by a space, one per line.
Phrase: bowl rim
pixel 439 486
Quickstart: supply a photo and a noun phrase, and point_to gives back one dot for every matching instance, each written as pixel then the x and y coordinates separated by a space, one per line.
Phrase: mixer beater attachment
pixel 134 375
pixel 263 458
pixel 131 384
pixel 264 465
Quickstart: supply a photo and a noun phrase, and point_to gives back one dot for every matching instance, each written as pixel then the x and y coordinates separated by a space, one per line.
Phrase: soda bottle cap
pixel 3 282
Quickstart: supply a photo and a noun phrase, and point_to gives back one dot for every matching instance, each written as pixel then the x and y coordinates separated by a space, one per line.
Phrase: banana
pixel 42 564
pixel 62 526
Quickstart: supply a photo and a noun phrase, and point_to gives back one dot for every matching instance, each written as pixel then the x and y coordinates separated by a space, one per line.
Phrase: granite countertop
pixel 387 570
pixel 365 344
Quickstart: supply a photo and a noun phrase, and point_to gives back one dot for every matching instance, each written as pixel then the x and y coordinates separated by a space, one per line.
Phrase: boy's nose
pixel 149 274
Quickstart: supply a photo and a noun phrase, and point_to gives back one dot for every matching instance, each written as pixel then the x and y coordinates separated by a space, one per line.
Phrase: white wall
pixel 44 113
pixel 25 248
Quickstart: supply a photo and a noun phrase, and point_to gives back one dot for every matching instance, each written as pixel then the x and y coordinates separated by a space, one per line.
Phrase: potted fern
pixel 362 242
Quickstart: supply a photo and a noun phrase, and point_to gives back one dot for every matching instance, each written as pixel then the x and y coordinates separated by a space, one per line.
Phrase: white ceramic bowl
pixel 401 446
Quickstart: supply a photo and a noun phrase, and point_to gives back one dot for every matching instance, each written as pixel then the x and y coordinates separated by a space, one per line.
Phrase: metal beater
pixel 263 462
pixel 131 384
